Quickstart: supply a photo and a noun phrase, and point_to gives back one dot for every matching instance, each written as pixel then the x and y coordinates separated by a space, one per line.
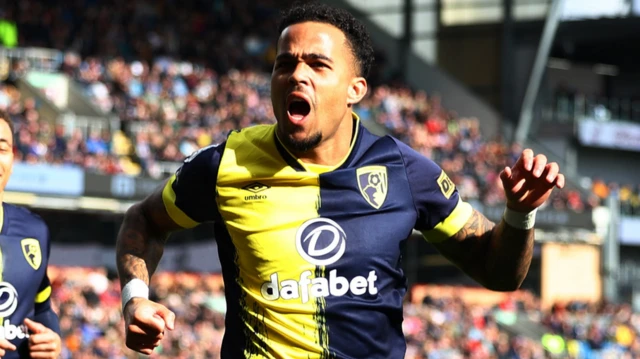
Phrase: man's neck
pixel 333 150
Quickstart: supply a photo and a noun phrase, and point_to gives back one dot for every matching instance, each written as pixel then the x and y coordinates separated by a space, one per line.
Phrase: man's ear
pixel 357 90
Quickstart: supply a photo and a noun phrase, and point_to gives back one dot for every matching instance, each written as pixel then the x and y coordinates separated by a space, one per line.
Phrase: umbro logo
pixel 255 188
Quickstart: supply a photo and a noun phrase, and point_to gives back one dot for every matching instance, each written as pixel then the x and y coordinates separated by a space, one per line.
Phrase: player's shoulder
pixel 210 155
pixel 389 144
pixel 22 221
pixel 413 158
pixel 205 154
pixel 18 212
pixel 372 147
pixel 255 136
pixel 370 143
pixel 422 172
pixel 203 160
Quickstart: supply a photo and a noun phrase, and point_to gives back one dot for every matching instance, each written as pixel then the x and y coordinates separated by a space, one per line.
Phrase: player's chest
pixel 351 213
pixel 23 261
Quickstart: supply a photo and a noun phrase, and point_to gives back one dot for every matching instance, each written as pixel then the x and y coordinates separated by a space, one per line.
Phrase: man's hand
pixel 145 322
pixel 531 181
pixel 44 343
pixel 4 346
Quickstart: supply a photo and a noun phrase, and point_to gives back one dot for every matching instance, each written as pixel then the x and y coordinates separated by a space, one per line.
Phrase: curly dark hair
pixel 356 33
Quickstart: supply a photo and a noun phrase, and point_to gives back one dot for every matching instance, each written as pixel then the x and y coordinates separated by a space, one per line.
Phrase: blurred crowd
pixel 628 194
pixel 181 76
pixel 440 326
pixel 88 302
pixel 595 331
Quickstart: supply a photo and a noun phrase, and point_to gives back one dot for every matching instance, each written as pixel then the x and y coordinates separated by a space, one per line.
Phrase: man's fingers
pixel 167 316
pixel 560 181
pixel 43 355
pixel 505 176
pixel 552 176
pixel 137 332
pixel 552 171
pixel 144 349
pixel 47 350
pixel 42 347
pixel 40 338
pixel 6 345
pixel 148 322
pixel 525 161
pixel 35 327
pixel 539 164
pixel 143 341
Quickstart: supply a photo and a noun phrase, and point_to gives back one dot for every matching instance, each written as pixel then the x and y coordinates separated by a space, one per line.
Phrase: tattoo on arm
pixel 478 227
pixel 497 256
pixel 141 239
pixel 509 255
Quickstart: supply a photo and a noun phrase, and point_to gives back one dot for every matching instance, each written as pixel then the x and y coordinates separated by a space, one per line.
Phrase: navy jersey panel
pixel 194 184
pixel 370 199
pixel 233 346
pixel 24 244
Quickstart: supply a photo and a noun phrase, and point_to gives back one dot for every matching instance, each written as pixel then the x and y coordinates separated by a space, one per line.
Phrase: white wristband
pixel 136 288
pixel 520 220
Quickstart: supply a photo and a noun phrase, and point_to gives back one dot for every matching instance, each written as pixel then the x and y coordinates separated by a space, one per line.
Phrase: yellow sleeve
pixel 450 225
pixel 169 199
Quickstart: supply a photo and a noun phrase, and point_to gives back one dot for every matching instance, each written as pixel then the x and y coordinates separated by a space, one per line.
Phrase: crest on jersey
pixel 446 185
pixel 32 252
pixel 372 181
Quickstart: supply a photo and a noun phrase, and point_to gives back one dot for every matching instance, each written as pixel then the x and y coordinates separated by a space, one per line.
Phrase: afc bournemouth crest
pixel 372 181
pixel 31 251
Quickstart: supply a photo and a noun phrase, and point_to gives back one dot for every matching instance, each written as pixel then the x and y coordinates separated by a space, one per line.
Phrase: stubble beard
pixel 303 145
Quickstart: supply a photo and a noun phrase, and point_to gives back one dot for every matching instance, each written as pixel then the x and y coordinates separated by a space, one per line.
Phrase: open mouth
pixel 298 108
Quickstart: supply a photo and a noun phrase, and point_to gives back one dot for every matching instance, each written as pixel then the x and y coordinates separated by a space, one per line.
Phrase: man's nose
pixel 299 74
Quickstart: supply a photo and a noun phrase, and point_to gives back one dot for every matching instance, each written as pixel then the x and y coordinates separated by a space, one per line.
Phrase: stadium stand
pixel 169 108
pixel 198 108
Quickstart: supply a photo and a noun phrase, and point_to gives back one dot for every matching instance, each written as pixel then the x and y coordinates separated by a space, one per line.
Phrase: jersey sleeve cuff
pixel 176 214
pixel 43 295
pixel 450 225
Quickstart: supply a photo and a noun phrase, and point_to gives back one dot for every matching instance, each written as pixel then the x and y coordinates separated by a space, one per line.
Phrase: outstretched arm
pixel 499 256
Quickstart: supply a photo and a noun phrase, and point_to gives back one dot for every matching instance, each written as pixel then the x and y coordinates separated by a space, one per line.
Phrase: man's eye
pixel 282 65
